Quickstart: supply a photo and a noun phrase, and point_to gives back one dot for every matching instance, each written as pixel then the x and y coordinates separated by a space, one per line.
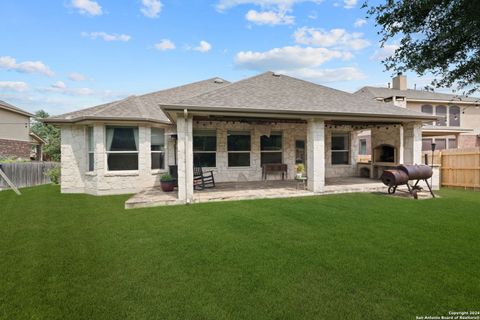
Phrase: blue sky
pixel 62 55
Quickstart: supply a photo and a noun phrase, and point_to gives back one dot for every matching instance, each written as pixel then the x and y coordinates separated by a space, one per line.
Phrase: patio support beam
pixel 316 155
pixel 412 138
pixel 185 157
pixel 401 147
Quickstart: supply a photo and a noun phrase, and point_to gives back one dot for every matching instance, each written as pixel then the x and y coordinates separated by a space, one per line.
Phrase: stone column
pixel 316 155
pixel 412 139
pixel 185 158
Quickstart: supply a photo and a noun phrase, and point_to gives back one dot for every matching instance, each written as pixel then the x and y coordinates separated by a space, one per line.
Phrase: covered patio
pixel 231 191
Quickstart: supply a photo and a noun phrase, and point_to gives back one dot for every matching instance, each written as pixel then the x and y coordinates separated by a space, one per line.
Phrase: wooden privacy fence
pixel 26 174
pixel 460 168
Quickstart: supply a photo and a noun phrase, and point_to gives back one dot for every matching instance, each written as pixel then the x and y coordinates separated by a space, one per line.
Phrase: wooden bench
pixel 274 168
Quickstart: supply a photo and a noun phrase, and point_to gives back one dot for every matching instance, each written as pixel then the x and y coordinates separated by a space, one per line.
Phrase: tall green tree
pixel 441 37
pixel 49 133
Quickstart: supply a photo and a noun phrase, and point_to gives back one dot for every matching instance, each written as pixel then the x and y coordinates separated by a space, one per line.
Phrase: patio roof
pixel 280 94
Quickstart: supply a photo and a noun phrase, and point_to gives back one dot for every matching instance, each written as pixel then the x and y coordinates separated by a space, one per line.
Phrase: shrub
pixel 54 174
pixel 166 178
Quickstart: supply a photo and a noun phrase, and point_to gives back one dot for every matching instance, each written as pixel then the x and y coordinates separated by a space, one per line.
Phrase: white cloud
pixel 349 4
pixel 151 8
pixel 359 23
pixel 10 63
pixel 328 75
pixel 164 45
pixel 335 38
pixel 269 17
pixel 18 86
pixel 59 85
pixel 75 76
pixel 106 36
pixel 281 4
pixel 203 47
pixel 287 58
pixel 384 52
pixel 62 88
pixel 87 7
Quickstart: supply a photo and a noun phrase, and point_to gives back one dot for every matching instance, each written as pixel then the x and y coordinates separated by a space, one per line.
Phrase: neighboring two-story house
pixel 458 125
pixel 16 139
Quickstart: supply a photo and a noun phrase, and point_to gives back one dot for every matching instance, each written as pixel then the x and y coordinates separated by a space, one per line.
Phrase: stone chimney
pixel 399 82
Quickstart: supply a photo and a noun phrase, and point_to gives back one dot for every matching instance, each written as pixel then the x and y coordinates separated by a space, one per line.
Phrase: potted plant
pixel 167 183
pixel 300 168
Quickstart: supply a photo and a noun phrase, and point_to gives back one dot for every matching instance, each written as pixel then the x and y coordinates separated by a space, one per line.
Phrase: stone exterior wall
pixel 468 141
pixel 15 148
pixel 76 178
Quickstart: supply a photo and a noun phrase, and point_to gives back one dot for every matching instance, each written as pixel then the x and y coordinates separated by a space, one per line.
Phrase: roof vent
pixel 218 80
pixel 276 74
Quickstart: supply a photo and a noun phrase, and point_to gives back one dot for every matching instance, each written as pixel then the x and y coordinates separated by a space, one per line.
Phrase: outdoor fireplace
pixel 385 153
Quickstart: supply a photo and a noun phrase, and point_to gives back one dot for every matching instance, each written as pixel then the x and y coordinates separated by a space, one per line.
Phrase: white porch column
pixel 185 158
pixel 316 155
pixel 401 147
pixel 412 138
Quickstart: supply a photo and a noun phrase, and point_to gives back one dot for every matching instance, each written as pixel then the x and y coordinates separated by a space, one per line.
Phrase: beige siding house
pixel 16 140
pixel 234 129
pixel 458 123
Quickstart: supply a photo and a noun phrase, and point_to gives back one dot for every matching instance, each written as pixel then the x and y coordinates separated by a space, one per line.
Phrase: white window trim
pixel 272 151
pixel 164 151
pixel 216 146
pixel 87 129
pixel 249 151
pixel 111 173
pixel 348 151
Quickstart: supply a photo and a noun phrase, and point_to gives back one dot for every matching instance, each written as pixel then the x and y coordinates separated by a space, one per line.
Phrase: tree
pixel 441 37
pixel 49 133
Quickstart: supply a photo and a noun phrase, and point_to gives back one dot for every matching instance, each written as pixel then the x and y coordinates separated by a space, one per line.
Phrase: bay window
pixel 90 150
pixel 441 111
pixel 204 148
pixel 122 148
pixel 157 147
pixel 454 116
pixel 340 148
pixel 239 147
pixel 271 148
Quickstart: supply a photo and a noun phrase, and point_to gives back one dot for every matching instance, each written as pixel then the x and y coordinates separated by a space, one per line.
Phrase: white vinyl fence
pixel 26 174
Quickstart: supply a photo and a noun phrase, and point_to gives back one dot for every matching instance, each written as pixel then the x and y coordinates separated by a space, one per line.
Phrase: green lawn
pixel 358 256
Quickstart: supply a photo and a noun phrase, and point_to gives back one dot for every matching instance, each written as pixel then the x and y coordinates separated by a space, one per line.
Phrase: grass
pixel 357 256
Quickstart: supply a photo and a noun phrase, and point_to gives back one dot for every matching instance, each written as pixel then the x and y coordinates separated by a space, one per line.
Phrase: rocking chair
pixel 202 180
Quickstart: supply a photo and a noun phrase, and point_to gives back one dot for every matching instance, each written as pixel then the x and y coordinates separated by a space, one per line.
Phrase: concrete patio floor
pixel 228 191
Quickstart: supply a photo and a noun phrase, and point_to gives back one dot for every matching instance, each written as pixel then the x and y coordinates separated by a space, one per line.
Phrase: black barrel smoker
pixel 403 174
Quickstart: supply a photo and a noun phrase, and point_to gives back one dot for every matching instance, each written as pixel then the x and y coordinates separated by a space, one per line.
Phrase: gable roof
pixel 379 92
pixel 140 108
pixel 273 93
pixel 7 106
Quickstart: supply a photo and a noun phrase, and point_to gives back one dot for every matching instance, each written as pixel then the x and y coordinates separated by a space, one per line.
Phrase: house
pixel 458 123
pixel 235 129
pixel 16 139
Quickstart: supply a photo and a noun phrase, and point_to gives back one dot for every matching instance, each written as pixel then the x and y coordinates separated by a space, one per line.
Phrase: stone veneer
pixel 15 148
pixel 76 179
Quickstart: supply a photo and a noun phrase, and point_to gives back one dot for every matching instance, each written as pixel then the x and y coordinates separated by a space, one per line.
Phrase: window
pixel 158 148
pixel 122 148
pixel 363 146
pixel 442 112
pixel 441 144
pixel 454 119
pixel 91 149
pixel 340 148
pixel 300 152
pixel 452 143
pixel 271 148
pixel 239 146
pixel 204 148
pixel 427 144
pixel 426 108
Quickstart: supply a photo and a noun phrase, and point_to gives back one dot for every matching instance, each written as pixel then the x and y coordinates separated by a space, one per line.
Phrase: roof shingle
pixel 379 92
